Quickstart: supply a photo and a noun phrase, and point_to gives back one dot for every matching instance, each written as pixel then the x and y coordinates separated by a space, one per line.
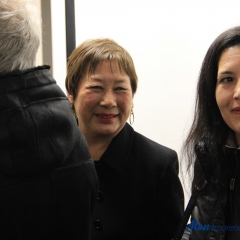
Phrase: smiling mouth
pixel 237 109
pixel 106 116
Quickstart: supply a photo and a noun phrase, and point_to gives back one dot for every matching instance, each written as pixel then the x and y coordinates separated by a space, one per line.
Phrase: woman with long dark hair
pixel 212 147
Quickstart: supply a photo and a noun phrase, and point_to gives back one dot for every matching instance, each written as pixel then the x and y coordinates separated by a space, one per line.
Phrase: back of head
pixel 91 53
pixel 19 35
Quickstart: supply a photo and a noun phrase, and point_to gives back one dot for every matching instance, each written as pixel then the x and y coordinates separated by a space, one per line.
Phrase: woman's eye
pixel 226 80
pixel 120 89
pixel 96 87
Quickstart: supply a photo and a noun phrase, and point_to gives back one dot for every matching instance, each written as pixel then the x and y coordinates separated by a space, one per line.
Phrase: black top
pixel 218 204
pixel 232 212
pixel 140 195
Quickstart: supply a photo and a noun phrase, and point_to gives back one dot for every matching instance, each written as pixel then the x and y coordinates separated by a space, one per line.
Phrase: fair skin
pixel 228 88
pixel 102 104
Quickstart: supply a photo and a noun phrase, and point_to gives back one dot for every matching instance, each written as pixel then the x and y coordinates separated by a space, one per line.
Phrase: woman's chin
pixel 107 131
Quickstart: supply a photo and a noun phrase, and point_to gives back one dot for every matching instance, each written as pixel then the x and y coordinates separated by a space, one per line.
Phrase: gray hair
pixel 19 35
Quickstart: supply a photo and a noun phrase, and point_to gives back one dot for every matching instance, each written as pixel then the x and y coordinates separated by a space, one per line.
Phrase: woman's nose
pixel 236 94
pixel 108 99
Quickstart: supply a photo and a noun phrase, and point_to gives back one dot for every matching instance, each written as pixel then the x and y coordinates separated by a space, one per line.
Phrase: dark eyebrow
pixel 96 79
pixel 225 72
pixel 121 81
pixel 99 80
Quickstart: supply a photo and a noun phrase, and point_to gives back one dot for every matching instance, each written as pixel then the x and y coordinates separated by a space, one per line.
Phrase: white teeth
pixel 106 116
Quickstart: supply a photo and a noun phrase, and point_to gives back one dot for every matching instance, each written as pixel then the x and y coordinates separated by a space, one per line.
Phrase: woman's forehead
pixel 111 64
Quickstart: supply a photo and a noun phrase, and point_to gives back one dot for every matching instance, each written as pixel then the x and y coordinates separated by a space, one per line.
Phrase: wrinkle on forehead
pixel 93 68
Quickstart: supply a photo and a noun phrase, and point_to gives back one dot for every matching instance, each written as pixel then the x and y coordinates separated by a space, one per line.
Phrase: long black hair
pixel 208 125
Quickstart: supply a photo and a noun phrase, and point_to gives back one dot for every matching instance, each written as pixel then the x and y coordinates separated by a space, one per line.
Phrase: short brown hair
pixel 89 54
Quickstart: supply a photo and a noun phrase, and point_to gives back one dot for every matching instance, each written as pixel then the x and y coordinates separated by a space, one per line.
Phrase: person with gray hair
pixel 19 34
pixel 48 182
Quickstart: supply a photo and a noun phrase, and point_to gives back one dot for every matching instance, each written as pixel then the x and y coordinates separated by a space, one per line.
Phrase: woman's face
pixel 103 102
pixel 228 88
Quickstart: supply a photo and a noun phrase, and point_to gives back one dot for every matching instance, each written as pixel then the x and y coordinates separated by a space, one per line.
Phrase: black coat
pixel 217 210
pixel 48 183
pixel 140 195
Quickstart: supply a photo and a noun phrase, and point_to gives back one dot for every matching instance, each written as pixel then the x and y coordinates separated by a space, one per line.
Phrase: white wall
pixel 59 41
pixel 167 40
pixel 37 3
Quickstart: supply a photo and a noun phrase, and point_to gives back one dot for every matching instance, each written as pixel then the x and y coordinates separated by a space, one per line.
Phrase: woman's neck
pixel 237 139
pixel 97 146
pixel 233 139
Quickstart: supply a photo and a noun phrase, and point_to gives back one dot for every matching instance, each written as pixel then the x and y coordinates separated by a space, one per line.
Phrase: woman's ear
pixel 70 97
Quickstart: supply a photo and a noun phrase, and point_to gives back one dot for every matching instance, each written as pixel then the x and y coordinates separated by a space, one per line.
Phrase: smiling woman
pixel 103 103
pixel 213 143
pixel 228 88
pixel 139 184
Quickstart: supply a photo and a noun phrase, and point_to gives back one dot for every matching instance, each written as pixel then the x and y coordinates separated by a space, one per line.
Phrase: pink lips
pixel 236 110
pixel 105 117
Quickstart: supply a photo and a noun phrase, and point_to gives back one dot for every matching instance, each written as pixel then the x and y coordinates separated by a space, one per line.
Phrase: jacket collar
pixel 231 142
pixel 18 80
pixel 20 72
pixel 117 154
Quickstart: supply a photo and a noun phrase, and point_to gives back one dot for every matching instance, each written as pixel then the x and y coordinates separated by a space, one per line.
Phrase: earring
pixel 131 117
pixel 73 110
pixel 74 113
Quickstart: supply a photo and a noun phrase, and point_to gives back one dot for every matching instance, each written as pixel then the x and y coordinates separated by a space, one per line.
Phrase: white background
pixel 167 40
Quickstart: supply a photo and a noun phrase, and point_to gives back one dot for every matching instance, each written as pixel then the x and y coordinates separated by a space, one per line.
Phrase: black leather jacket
pixel 48 183
pixel 218 208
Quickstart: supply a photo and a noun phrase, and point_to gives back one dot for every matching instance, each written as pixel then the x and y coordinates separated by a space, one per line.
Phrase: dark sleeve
pixel 170 199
